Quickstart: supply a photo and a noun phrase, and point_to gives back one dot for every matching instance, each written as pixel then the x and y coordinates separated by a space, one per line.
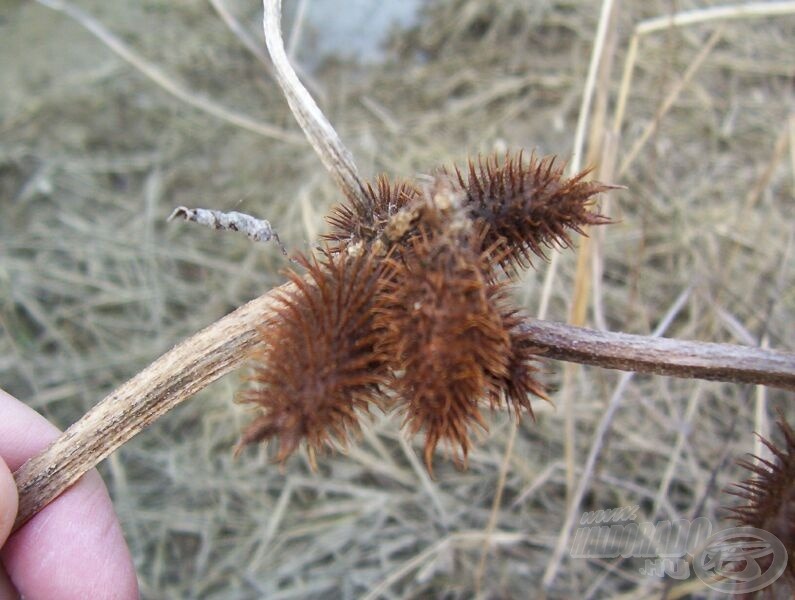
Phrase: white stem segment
pixel 324 139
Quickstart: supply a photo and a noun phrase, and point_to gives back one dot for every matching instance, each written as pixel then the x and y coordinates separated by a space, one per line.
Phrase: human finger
pixel 74 547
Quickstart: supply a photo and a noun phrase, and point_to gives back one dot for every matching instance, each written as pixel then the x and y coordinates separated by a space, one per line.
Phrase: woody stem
pixel 198 361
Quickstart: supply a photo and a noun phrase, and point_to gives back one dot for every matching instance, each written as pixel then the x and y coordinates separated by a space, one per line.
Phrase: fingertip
pixel 74 548
pixel 9 501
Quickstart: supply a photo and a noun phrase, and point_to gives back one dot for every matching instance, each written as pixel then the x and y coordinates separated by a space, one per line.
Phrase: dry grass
pixel 94 284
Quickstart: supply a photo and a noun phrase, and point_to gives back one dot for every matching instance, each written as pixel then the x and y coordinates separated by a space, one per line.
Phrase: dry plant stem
pixel 581 293
pixel 240 32
pixel 237 28
pixel 664 356
pixel 495 508
pixel 599 437
pixel 177 375
pixel 668 102
pixel 324 139
pixel 447 543
pixel 600 64
pixel 685 19
pixel 166 82
pixel 590 84
pixel 216 350
pixel 714 13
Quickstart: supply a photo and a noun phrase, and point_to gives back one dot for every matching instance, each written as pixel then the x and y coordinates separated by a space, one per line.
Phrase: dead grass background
pixel 94 284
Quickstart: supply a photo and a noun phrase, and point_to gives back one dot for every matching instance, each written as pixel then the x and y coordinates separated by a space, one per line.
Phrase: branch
pixel 324 139
pixel 223 346
pixel 181 372
pixel 664 356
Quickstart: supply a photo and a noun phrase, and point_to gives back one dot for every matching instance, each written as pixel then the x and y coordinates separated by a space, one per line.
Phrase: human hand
pixel 74 547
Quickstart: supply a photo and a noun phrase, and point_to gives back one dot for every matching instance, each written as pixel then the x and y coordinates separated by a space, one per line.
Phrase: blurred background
pixel 114 113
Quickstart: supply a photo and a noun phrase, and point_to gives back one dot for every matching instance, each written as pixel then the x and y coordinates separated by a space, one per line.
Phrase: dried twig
pixel 335 156
pixel 174 377
pixel 715 13
pixel 664 356
pixel 606 422
pixel 221 347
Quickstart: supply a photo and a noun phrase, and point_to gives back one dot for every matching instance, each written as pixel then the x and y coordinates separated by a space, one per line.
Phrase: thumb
pixel 8 501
